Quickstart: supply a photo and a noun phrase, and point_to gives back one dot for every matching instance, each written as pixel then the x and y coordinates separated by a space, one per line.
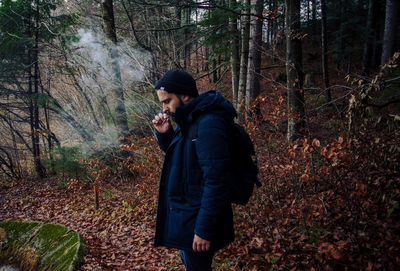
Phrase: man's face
pixel 169 101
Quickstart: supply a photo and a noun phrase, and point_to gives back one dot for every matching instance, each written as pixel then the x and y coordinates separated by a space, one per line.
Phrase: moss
pixel 38 246
pixel 49 235
pixel 20 232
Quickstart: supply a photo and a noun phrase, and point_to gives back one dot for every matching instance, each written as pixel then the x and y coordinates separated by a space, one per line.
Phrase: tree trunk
pixel 178 42
pixel 294 70
pixel 313 10
pixel 379 22
pixel 275 37
pixel 324 41
pixel 255 47
pixel 342 40
pixel 34 94
pixel 49 133
pixel 234 53
pixel 206 67
pixel 367 53
pixel 268 28
pixel 214 68
pixel 197 46
pixel 186 61
pixel 110 32
pixel 389 38
pixel 244 55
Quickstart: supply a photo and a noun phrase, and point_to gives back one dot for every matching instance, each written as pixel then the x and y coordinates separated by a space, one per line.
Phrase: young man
pixel 194 211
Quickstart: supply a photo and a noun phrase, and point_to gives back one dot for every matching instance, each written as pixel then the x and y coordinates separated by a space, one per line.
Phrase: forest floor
pixel 118 235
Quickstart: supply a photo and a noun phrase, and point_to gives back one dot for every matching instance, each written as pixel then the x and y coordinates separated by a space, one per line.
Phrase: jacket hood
pixel 209 101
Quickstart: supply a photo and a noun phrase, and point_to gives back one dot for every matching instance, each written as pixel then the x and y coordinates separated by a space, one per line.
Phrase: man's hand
pixel 161 122
pixel 200 245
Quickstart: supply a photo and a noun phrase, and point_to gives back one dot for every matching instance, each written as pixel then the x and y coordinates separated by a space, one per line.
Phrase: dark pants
pixel 197 261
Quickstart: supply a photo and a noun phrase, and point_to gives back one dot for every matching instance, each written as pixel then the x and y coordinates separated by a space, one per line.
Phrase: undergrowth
pixel 328 201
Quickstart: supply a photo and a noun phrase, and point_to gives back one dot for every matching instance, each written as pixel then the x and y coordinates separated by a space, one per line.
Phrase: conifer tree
pixel 294 69
pixel 119 100
pixel 25 26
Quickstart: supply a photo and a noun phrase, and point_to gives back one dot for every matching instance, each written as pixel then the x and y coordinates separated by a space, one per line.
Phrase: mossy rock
pixel 39 246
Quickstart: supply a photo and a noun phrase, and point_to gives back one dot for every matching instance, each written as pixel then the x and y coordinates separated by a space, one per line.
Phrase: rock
pixel 39 246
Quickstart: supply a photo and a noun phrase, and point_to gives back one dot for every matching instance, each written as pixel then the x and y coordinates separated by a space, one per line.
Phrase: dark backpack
pixel 244 167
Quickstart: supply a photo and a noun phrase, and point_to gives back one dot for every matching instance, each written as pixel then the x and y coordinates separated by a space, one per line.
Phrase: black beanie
pixel 178 82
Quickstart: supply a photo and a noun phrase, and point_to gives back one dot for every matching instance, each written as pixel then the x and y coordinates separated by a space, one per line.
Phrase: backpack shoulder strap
pixel 193 127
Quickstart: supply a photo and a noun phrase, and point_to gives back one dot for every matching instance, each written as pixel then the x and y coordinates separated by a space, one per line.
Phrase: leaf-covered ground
pixel 118 235
pixel 299 225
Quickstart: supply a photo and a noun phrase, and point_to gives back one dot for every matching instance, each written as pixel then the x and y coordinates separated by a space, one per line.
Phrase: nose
pixel 165 108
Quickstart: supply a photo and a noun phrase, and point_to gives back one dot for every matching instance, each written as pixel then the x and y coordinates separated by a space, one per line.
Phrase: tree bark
pixel 187 42
pixel 268 28
pixel 178 42
pixel 389 38
pixel 325 73
pixel 244 54
pixel 255 47
pixel 33 91
pixel 367 52
pixel 379 23
pixel 294 70
pixel 342 41
pixel 234 57
pixel 110 32
pixel 313 10
pixel 214 68
pixel 206 59
pixel 49 133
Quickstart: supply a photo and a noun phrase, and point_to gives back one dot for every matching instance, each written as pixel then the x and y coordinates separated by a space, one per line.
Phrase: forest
pixel 316 84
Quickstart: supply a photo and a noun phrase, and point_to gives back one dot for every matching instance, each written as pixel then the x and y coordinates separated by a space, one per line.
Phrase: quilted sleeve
pixel 164 139
pixel 213 152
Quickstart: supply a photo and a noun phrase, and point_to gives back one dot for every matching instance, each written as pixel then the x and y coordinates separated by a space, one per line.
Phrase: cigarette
pixel 165 120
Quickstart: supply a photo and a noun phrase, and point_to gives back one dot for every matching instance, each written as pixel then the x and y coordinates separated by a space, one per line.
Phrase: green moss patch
pixel 39 246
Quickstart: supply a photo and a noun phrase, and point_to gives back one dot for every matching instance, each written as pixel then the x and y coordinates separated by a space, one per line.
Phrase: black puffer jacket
pixel 194 190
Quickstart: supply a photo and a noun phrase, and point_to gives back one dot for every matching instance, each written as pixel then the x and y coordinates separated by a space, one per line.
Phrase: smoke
pixel 92 103
pixel 94 49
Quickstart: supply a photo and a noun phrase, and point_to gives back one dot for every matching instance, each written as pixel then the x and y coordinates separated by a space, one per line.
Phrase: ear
pixel 186 98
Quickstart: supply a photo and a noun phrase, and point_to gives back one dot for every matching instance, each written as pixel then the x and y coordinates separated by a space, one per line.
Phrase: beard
pixel 172 115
